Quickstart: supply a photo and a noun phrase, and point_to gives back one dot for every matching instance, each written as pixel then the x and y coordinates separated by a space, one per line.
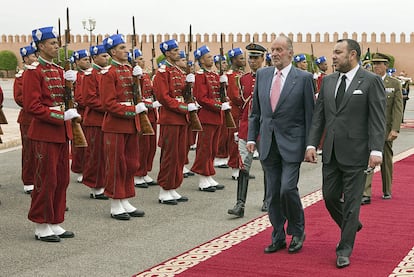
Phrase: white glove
pixel 70 114
pixel 192 107
pixel 236 136
pixel 190 78
pixel 156 104
pixel 225 106
pixel 140 108
pixel 224 79
pixel 70 75
pixel 137 71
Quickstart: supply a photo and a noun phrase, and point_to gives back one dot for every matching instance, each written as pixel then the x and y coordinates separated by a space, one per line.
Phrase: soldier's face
pixel 255 62
pixel 84 63
pixel 120 53
pixel 101 59
pixel 173 54
pixel 49 48
pixel 303 65
pixel 240 61
pixel 29 59
pixel 323 66
pixel 379 68
pixel 140 61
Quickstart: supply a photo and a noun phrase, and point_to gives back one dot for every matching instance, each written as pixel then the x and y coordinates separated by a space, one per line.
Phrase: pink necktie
pixel 275 90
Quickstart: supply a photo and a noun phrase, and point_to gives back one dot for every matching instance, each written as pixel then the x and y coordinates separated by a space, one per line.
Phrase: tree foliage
pixel 8 60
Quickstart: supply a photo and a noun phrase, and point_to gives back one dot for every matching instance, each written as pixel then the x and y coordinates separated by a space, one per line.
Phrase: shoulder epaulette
pixel 162 68
pixel 200 71
pixel 32 66
pixel 105 69
pixel 229 72
pixel 19 74
pixel 88 71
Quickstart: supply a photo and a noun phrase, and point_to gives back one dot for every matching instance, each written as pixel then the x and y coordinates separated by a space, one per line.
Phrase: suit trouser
pixel 283 195
pixel 349 180
pixel 386 171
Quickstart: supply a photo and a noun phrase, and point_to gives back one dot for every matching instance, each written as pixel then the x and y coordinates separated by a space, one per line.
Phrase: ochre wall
pixel 401 48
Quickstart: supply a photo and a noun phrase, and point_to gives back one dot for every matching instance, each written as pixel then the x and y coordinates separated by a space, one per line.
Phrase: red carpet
pixel 384 247
pixel 408 123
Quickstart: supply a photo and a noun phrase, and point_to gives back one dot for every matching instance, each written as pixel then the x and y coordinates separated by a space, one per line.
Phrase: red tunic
pixel 247 82
pixel 24 120
pixel 43 85
pixel 169 85
pixel 120 129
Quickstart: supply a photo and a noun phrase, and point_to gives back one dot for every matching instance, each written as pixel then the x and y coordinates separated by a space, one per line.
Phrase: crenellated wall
pixel 322 44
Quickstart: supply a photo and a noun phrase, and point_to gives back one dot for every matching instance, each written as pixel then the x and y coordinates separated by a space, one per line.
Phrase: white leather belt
pixel 126 103
pixel 55 108
pixel 179 99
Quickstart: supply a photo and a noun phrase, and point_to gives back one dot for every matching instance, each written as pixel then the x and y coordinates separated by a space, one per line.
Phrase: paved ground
pixel 106 247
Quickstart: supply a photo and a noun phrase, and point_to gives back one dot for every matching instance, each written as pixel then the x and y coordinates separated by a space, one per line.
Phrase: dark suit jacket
pixel 358 126
pixel 290 122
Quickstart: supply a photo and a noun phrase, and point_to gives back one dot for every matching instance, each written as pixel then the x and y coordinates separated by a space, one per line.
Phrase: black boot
pixel 242 184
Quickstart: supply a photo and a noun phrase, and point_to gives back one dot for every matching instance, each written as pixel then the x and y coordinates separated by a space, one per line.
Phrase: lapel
pixel 290 82
pixel 267 84
pixel 356 82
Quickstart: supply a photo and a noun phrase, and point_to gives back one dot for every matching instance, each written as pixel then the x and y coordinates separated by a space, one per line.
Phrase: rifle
pixel 153 56
pixel 146 127
pixel 223 93
pixel 188 92
pixel 312 60
pixel 59 42
pixel 79 139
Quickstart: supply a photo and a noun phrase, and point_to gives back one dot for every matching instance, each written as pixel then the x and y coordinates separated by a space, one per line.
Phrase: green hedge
pixel 8 60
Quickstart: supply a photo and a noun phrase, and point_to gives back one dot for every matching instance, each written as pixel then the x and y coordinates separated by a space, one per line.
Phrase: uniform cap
pixel 182 54
pixel 300 57
pixel 201 52
pixel 268 57
pixel 137 53
pixel 80 54
pixel 379 57
pixel 255 50
pixel 217 58
pixel 112 41
pixel 44 33
pixel 97 49
pixel 168 45
pixel 235 52
pixel 27 50
pixel 320 60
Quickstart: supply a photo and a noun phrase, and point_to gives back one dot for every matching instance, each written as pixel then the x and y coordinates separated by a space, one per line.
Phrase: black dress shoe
pixel 142 185
pixel 168 202
pixel 137 213
pixel 264 207
pixel 98 196
pixel 251 176
pixel 275 247
pixel 359 227
pixel 365 200
pixel 342 261
pixel 51 238
pixel 222 166
pixel 152 183
pixel 66 235
pixel 296 243
pixel 123 216
pixel 208 189
pixel 219 187
pixel 185 175
pixel 182 199
pixel 190 173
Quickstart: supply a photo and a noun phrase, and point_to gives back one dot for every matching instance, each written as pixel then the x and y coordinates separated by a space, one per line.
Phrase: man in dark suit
pixel 351 107
pixel 393 118
pixel 282 113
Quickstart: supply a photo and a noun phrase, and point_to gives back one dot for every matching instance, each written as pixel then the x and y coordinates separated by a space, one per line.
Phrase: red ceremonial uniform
pixel 120 127
pixel 247 82
pixel 94 166
pixel 24 119
pixel 147 144
pixel 233 92
pixel 43 85
pixel 78 152
pixel 207 93
pixel 169 85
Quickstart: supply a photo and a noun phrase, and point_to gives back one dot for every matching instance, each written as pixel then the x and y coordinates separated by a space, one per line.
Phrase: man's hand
pixel 311 156
pixel 225 106
pixel 224 79
pixel 374 161
pixel 251 147
pixel 137 71
pixel 392 135
pixel 70 75
pixel 70 114
pixel 156 104
pixel 140 108
pixel 190 78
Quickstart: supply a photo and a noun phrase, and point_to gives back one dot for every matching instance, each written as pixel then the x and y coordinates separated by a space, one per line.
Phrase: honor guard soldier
pixel 207 93
pixel 82 63
pixel 94 166
pixel 169 86
pixel 49 134
pixel 238 63
pixel 301 62
pixel 393 117
pixel 322 65
pixel 147 144
pixel 245 84
pixel 28 54
pixel 268 59
pixel 222 61
pixel 120 129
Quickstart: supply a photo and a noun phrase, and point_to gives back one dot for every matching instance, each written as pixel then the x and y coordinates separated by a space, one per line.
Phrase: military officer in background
pixel 246 84
pixel 82 63
pixel 393 117
pixel 49 134
pixel 301 62
pixel 28 54
pixel 94 166
pixel 120 129
pixel 207 92
pixel 147 144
